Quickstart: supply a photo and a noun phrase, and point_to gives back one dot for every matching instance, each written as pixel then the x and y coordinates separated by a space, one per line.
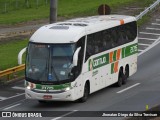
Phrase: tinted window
pixel 110 38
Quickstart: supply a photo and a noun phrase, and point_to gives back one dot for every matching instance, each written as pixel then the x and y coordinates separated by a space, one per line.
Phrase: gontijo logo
pixel 97 62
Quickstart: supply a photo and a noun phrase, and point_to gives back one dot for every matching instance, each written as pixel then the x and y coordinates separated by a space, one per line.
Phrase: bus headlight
pixel 28 87
pixel 67 89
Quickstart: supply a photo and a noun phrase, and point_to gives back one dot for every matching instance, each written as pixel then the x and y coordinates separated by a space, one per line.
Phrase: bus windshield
pixel 49 62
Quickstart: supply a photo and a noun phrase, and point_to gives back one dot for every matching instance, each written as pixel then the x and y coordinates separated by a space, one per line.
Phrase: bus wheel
pixel 120 79
pixel 85 94
pixel 126 75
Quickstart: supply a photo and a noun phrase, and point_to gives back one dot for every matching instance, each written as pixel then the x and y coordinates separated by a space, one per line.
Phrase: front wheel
pixel 85 94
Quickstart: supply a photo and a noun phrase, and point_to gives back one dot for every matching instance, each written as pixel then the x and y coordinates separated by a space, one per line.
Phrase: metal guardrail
pixel 147 10
pixel 10 71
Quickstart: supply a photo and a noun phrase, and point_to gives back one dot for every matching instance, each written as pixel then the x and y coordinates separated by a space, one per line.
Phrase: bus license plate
pixel 47 97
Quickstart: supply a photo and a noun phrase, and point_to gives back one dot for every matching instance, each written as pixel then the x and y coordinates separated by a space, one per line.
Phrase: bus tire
pixel 120 79
pixel 126 75
pixel 85 94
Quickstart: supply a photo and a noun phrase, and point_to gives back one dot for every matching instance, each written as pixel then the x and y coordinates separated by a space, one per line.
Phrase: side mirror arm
pixel 20 55
pixel 75 57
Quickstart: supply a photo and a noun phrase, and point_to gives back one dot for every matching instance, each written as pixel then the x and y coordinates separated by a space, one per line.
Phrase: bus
pixel 67 61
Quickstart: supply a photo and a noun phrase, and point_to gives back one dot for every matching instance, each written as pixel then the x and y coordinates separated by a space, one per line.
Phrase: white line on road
pixel 3 98
pixel 143 44
pixel 19 88
pixel 149 33
pixel 64 115
pixel 140 50
pixel 12 106
pixel 147 39
pixel 157 19
pixel 151 46
pixel 13 96
pixel 148 28
pixel 155 24
pixel 128 88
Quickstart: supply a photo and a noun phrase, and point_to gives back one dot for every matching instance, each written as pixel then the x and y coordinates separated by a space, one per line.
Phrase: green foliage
pixel 12 5
pixel 9 53
pixel 28 11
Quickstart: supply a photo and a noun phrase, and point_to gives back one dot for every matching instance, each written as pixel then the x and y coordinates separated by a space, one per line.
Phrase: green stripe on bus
pixel 131 49
pixel 112 68
pixel 123 52
pixel 53 87
pixel 115 56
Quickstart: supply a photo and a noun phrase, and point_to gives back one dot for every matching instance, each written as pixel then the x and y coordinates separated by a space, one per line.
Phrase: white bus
pixel 67 61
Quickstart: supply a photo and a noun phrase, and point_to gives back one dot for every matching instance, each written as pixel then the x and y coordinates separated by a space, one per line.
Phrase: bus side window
pixel 98 42
pixel 122 38
pixel 90 46
pixel 131 31
pixel 104 40
pixel 114 38
pixel 109 42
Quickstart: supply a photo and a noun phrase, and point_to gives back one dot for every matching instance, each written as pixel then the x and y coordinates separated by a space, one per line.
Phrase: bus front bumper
pixel 64 96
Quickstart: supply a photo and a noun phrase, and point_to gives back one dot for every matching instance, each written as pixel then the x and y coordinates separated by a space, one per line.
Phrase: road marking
pixel 19 88
pixel 157 19
pixel 143 44
pixel 3 98
pixel 19 101
pixel 64 115
pixel 140 50
pixel 148 33
pixel 12 106
pixel 128 88
pixel 13 96
pixel 147 39
pixel 148 28
pixel 155 24
pixel 151 46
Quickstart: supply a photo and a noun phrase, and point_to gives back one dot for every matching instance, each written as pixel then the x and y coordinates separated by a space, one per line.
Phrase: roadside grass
pixel 10 5
pixel 143 20
pixel 146 18
pixel 66 9
pixel 9 52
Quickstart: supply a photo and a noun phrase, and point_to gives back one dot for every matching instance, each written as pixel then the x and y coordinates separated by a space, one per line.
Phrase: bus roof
pixel 71 31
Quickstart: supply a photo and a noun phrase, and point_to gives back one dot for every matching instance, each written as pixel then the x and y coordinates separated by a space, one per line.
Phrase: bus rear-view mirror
pixel 75 57
pixel 20 55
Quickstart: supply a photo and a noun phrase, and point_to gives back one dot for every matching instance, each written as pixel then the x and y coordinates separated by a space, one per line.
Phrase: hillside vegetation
pixel 16 11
